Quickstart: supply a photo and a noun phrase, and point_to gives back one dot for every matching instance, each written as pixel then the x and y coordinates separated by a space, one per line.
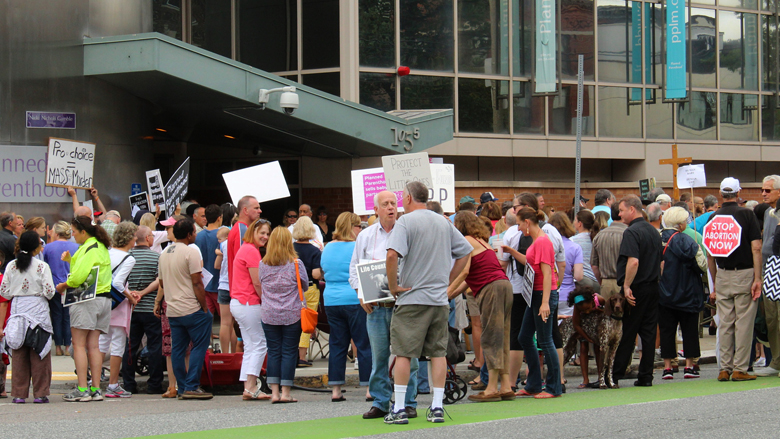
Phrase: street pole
pixel 578 166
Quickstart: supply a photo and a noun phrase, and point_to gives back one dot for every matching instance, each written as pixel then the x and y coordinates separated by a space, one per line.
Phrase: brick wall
pixel 336 200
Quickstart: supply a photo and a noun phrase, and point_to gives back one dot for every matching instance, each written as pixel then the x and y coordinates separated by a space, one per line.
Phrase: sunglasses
pixel 292 216
pixel 766 191
pixel 263 221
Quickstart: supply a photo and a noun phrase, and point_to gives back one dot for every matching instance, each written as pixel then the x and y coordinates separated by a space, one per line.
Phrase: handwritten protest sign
pixel 177 186
pixel 365 184
pixel 70 163
pixel 154 186
pixel 265 182
pixel 139 200
pixel 403 168
pixel 691 176
pixel 443 189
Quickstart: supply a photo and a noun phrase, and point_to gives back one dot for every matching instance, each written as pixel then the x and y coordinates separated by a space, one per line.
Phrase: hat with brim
pixel 169 222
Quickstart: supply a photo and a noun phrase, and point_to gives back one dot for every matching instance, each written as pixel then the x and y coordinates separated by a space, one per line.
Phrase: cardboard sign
pixel 691 176
pixel 70 163
pixel 403 168
pixel 23 177
pixel 154 186
pixel 372 280
pixel 141 201
pixel 177 186
pixel 265 182
pixel 443 189
pixel 365 184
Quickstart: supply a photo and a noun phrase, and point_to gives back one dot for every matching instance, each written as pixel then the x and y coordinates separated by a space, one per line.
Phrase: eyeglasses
pixel 766 191
pixel 263 221
pixel 292 216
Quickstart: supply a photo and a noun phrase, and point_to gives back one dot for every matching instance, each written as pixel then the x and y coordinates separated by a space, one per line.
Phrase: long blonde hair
pixel 344 224
pixel 280 250
pixel 148 220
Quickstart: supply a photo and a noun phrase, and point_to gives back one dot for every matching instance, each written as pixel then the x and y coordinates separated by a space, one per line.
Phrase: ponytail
pixel 84 223
pixel 26 246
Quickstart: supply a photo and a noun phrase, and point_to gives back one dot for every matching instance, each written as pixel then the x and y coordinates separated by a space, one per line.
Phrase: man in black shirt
pixel 737 287
pixel 638 271
pixel 7 238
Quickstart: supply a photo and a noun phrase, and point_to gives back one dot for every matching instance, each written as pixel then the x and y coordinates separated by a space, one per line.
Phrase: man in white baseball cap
pixel 664 200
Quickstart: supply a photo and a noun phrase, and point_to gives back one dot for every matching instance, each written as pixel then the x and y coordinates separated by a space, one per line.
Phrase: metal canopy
pixel 198 91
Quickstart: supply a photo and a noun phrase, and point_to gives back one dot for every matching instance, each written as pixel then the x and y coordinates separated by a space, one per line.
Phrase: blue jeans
pixel 195 327
pixel 348 322
pixel 282 341
pixel 423 386
pixel 60 321
pixel 379 385
pixel 532 323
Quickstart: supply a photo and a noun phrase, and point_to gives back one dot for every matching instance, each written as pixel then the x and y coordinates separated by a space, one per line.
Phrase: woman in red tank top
pixel 483 274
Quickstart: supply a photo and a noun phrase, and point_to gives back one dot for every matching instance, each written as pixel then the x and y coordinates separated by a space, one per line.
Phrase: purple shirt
pixel 281 302
pixel 573 256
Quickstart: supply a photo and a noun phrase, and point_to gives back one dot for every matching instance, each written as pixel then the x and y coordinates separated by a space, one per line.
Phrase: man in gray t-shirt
pixel 426 243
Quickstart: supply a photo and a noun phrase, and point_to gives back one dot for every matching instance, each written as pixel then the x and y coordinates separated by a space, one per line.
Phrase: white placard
pixel 23 177
pixel 154 186
pixel 265 182
pixel 372 282
pixel 403 168
pixel 70 163
pixel 365 184
pixel 443 189
pixel 691 176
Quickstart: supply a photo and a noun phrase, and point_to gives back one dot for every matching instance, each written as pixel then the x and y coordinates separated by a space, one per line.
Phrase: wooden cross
pixel 675 162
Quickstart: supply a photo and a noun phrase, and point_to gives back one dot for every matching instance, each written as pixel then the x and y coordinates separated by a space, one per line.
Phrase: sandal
pixel 471 366
pixel 523 392
pixel 584 386
pixel 474 382
pixel 545 395
pixel 258 395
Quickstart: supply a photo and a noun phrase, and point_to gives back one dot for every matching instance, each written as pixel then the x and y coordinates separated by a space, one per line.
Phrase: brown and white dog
pixel 606 328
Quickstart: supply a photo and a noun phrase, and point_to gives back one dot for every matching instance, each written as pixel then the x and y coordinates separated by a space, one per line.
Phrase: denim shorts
pixel 223 297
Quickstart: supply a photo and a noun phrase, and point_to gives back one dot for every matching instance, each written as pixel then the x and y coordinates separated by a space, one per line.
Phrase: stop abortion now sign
pixel 722 236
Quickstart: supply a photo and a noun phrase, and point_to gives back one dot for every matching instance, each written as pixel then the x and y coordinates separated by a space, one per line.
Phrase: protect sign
pixel 722 235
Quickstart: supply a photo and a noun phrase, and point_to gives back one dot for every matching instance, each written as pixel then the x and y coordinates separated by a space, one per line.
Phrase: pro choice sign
pixel 722 235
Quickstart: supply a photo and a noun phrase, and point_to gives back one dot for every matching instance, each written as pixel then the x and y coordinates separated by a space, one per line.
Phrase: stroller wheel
pixel 464 388
pixel 452 392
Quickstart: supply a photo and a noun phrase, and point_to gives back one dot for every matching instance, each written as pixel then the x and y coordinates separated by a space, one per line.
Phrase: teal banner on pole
pixel 546 81
pixel 636 50
pixel 676 80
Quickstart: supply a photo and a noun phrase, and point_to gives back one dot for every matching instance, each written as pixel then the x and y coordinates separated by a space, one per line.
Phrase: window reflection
pixel 427 92
pixel 563 111
pixel 744 4
pixel 426 35
pixel 528 110
pixel 737 116
pixel 377 90
pixel 739 50
pixel 483 106
pixel 483 36
pixel 696 119
pixel 166 17
pixel 274 23
pixel 522 36
pixel 770 118
pixel 577 37
pixel 327 82
pixel 320 36
pixel 211 26
pixel 770 52
pixel 618 117
pixel 659 119
pixel 377 33
pixel 702 33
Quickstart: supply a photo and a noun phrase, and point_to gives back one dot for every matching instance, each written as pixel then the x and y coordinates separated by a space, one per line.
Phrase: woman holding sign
pixel 90 318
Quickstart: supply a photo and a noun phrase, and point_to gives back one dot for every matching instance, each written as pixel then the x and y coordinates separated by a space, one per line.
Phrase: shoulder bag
pixel 308 316
pixel 117 297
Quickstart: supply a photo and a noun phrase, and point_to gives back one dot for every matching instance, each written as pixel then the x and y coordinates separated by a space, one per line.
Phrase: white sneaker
pixel 356 363
pixel 761 362
pixel 767 372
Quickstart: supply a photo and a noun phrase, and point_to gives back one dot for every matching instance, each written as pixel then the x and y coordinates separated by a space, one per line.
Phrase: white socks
pixel 438 396
pixel 400 398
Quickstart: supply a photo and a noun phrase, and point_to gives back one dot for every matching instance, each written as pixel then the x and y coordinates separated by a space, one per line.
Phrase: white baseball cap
pixel 730 185
pixel 663 198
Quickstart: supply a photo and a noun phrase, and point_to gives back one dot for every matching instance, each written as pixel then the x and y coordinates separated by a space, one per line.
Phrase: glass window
pixel 770 118
pixel 320 25
pixel 483 36
pixel 327 82
pixel 211 26
pixel 739 50
pixel 696 119
pixel 529 110
pixel 274 23
pixel 427 93
pixel 166 17
pixel 768 5
pixel 655 16
pixel 616 35
pixel 737 116
pixel 377 33
pixel 744 4
pixel 577 37
pixel 522 36
pixel 377 90
pixel 427 37
pixel 658 118
pixel 704 41
pixel 563 111
pixel 619 116
pixel 769 46
pixel 483 106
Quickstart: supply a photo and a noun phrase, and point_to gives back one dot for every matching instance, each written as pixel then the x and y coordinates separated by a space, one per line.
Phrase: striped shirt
pixel 606 248
pixel 144 273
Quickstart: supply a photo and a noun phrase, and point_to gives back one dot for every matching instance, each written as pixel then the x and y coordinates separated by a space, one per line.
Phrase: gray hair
pixel 751 204
pixel 654 212
pixel 434 206
pixel 417 190
pixel 303 229
pixel 775 179
pixel 710 201
pixel 653 194
pixel 511 219
pixel 602 196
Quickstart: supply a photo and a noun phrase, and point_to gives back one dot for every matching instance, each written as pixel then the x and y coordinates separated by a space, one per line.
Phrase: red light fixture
pixel 403 71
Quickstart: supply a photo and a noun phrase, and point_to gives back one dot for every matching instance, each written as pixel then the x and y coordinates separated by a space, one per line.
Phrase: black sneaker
pixel 668 374
pixel 691 373
pixel 398 417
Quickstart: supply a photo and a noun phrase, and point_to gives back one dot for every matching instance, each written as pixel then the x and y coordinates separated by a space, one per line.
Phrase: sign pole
pixel 578 160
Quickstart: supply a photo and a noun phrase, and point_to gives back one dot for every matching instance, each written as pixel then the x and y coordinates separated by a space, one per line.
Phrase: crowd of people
pixel 511 271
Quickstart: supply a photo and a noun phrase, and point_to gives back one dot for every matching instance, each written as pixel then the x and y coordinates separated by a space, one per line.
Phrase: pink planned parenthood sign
pixel 365 184
pixel 374 184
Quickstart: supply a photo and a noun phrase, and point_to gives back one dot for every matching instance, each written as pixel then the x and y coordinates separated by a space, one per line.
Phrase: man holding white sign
pixel 737 276
pixel 371 245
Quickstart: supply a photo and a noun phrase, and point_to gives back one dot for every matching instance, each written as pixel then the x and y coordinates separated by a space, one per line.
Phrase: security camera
pixel 289 102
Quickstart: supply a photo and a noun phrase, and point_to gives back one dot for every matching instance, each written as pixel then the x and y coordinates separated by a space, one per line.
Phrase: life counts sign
pixel 70 163
pixel 722 236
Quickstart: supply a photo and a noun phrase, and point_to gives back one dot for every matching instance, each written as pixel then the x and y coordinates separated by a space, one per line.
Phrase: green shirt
pixel 91 253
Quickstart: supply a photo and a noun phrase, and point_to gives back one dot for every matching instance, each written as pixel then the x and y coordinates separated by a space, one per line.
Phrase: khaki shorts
pixel 472 303
pixel 91 315
pixel 419 330
pixel 609 288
